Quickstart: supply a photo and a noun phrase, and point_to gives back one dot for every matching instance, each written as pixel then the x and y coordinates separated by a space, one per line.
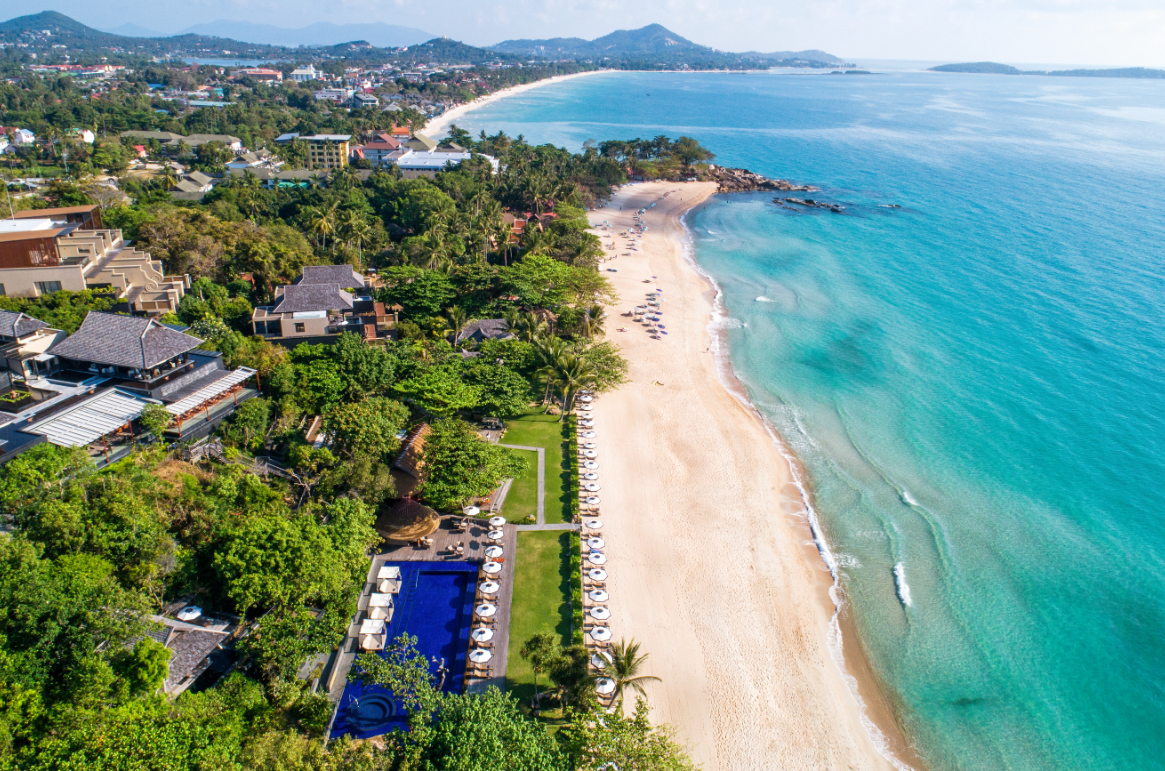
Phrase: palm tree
pixel 573 373
pixel 457 318
pixel 529 327
pixel 624 667
pixel 592 321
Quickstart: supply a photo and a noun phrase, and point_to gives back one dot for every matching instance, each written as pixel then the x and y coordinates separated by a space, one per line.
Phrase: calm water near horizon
pixel 974 381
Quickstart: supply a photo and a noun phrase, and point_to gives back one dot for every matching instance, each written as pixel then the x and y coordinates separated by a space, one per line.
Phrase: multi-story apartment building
pixel 327 151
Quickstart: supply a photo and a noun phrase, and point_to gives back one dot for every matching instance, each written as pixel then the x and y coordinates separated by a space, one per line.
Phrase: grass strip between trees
pixel 535 429
pixel 543 589
pixel 521 505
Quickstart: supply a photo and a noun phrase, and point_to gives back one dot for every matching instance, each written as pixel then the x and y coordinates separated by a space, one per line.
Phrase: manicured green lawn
pixel 537 430
pixel 522 499
pixel 541 601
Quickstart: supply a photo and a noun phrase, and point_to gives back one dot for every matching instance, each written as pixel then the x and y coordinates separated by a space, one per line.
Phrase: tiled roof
pixel 19 325
pixel 313 297
pixel 496 329
pixel 125 341
pixel 345 276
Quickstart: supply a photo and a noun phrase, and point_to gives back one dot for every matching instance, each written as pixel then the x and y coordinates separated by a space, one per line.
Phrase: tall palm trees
pixel 457 318
pixel 592 321
pixel 624 668
pixel 572 373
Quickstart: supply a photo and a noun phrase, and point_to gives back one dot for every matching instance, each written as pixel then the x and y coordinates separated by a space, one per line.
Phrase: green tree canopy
pixel 460 465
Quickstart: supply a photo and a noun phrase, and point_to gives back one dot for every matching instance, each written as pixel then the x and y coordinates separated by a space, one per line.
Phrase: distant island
pixel 994 68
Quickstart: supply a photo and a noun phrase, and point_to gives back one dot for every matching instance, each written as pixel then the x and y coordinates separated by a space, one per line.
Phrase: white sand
pixel 437 127
pixel 711 563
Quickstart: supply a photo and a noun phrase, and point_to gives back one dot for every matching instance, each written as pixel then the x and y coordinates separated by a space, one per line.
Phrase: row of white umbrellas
pixel 595 557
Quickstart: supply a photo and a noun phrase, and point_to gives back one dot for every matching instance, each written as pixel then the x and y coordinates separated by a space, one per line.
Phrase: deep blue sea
pixel 975 381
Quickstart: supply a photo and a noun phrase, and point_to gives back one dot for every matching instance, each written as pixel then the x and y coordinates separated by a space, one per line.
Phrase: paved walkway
pixel 562 526
pixel 541 479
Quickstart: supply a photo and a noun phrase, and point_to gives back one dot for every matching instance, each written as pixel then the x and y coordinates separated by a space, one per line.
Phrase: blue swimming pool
pixel 436 606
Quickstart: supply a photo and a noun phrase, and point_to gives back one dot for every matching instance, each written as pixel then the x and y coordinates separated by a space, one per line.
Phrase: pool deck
pixel 475 544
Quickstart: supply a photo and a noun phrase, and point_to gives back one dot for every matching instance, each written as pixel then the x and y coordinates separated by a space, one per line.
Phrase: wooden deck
pixel 475 543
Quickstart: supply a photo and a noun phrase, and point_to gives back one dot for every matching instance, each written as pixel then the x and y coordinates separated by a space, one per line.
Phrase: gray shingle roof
pixel 313 297
pixel 125 341
pixel 496 329
pixel 19 325
pixel 343 275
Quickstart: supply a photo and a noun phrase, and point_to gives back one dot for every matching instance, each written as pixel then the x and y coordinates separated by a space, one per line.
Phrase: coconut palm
pixel 624 669
pixel 592 321
pixel 457 318
pixel 573 373
pixel 529 328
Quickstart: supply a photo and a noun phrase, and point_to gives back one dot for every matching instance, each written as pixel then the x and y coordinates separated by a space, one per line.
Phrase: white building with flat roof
pixel 304 74
pixel 426 163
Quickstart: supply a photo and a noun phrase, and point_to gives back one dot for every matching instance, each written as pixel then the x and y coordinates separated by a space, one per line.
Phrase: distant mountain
pixel 993 68
pixel 321 34
pixel 653 43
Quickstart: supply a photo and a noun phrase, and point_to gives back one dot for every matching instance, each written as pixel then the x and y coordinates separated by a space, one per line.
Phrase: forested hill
pixel 994 68
pixel 656 43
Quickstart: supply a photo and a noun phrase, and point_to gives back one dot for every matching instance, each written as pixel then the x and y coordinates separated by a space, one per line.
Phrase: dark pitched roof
pixel 343 275
pixel 125 341
pixel 19 325
pixel 481 329
pixel 313 297
pixel 188 647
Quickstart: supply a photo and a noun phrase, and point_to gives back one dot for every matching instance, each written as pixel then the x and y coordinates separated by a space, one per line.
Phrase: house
pixel 18 137
pixel 83 135
pixel 259 74
pixel 428 164
pixel 364 100
pixel 23 343
pixel 381 150
pixel 191 647
pixel 305 74
pixel 337 95
pixel 326 301
pixel 418 142
pixel 407 470
pixel 172 142
pixel 48 250
pixel 141 152
pixel 485 329
pixel 193 186
pixel 254 160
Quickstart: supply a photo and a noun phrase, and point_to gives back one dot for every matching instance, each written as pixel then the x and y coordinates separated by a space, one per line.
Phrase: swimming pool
pixel 435 605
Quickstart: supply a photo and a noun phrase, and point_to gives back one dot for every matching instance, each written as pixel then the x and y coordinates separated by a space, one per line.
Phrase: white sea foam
pixel 903 587
pixel 908 499
pixel 731 383
pixel 764 300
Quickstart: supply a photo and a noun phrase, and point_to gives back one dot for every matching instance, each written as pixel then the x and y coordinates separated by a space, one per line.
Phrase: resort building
pixel 172 142
pixel 305 74
pixel 429 163
pixel 47 250
pixel 88 389
pixel 485 329
pixel 327 301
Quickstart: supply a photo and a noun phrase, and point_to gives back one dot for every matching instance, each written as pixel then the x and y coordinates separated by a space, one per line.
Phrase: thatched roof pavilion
pixel 406 521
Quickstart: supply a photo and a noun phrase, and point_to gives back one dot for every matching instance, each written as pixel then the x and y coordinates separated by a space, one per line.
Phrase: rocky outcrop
pixel 811 204
pixel 745 181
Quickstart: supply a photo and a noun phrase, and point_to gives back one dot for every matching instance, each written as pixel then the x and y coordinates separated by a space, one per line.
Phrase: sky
pixel 1084 32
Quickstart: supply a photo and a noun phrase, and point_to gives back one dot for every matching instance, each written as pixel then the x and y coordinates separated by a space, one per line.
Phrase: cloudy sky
pixel 1093 32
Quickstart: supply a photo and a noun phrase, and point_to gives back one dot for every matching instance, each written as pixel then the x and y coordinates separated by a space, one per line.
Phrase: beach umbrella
pixel 493 552
pixel 480 656
pixel 497 521
pixel 597 558
pixel 601 633
pixel 189 613
pixel 485 610
pixel 590 464
pixel 604 686
pixel 471 511
pixel 586 408
pixel 598 595
pixel 593 500
pixel 492 568
pixel 590 453
pixel 597 574
pixel 496 534
pixel 600 612
pixel 590 446
pixel 592 487
pixel 585 398
pixel 490 587
pixel 590 475
pixel 594 524
pixel 600 659
pixel 588 435
pixel 595 542
pixel 482 634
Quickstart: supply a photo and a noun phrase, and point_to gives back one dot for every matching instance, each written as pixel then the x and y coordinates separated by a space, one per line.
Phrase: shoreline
pixel 814 715
pixel 437 127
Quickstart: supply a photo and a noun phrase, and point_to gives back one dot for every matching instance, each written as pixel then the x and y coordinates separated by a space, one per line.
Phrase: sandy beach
pixel 711 562
pixel 436 127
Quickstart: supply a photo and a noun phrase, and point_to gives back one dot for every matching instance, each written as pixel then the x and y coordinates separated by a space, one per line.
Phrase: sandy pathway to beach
pixel 711 567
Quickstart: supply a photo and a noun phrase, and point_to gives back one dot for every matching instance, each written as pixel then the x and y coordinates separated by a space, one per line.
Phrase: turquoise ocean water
pixel 975 382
